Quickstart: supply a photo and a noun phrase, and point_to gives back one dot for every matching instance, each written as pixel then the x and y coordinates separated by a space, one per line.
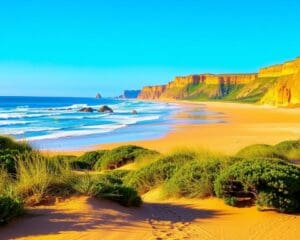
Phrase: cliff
pixel 209 85
pixel 277 85
pixel 152 92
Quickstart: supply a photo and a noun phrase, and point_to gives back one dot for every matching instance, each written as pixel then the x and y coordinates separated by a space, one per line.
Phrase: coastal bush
pixel 126 196
pixel 260 151
pixel 88 160
pixel 120 156
pixel 196 178
pixel 8 159
pixel 108 186
pixel 157 172
pixel 9 143
pixel 9 208
pixel 270 183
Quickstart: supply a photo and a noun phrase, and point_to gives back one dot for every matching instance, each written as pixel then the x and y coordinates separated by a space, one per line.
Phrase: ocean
pixel 55 123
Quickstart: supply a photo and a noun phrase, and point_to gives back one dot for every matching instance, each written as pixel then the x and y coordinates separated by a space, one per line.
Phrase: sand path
pixel 87 219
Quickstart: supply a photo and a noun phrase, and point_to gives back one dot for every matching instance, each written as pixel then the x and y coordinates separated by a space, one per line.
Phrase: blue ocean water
pixel 55 123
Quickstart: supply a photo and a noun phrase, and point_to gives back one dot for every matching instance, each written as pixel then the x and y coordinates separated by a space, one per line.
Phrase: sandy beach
pixel 243 124
pixel 89 219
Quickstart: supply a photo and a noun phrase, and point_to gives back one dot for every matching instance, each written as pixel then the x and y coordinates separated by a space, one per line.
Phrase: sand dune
pixel 87 219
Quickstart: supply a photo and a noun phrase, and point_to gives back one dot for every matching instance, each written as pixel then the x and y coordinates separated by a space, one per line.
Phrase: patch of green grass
pixel 157 172
pixel 88 160
pixel 9 143
pixel 196 178
pixel 260 150
pixel 291 149
pixel 38 176
pixel 120 156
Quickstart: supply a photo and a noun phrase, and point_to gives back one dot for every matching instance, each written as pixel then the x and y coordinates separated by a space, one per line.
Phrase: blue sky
pixel 77 48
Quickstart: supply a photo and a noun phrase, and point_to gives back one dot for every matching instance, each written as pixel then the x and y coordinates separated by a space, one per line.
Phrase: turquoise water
pixel 56 123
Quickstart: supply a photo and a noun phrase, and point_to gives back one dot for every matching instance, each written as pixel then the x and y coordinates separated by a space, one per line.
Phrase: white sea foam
pixel 13 122
pixel 21 131
pixel 74 133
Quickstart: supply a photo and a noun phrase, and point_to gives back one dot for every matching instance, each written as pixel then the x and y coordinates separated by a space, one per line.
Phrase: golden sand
pixel 244 124
pixel 91 219
pixel 87 219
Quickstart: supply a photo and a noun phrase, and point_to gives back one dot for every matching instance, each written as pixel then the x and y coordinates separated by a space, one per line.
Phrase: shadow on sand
pixel 93 214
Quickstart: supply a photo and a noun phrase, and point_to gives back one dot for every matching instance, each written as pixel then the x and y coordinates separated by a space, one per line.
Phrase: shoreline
pixel 244 124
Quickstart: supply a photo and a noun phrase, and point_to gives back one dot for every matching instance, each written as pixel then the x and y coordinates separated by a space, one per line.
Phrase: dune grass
pixel 260 150
pixel 260 173
pixel 38 176
pixel 196 178
pixel 157 172
pixel 9 143
pixel 120 156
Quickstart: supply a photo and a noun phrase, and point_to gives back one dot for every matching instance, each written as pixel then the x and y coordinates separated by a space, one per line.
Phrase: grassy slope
pixel 249 93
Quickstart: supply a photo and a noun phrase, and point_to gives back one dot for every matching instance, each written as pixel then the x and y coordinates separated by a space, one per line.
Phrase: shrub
pixel 196 178
pixel 157 172
pixel 115 177
pixel 8 159
pixel 86 184
pixel 120 156
pixel 123 195
pixel 88 159
pixel 9 143
pixel 9 208
pixel 271 183
pixel 260 151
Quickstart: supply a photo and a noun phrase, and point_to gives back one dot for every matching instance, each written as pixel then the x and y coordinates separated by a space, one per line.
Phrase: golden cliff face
pixel 176 88
pixel 276 85
pixel 151 92
pixel 279 70
pixel 285 92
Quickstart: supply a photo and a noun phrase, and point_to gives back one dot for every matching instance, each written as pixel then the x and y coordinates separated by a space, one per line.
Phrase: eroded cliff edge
pixel 276 85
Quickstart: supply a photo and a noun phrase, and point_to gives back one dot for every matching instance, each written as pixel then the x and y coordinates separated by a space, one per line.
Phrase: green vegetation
pixel 9 143
pixel 89 159
pixel 271 183
pixel 286 150
pixel 196 178
pixel 260 150
pixel 157 172
pixel 291 149
pixel 120 156
pixel 109 186
pixel 246 93
pixel 9 208
pixel 258 174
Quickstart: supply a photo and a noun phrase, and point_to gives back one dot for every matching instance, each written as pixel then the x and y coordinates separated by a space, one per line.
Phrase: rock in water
pixel 105 108
pixel 98 96
pixel 134 111
pixel 86 109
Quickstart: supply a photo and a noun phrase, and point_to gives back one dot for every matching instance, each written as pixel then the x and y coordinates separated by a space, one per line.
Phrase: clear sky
pixel 77 48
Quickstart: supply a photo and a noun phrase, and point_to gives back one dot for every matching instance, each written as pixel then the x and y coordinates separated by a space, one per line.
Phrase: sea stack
pixel 98 96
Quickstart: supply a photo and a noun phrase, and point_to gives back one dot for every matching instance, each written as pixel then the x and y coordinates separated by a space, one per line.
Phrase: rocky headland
pixel 277 85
